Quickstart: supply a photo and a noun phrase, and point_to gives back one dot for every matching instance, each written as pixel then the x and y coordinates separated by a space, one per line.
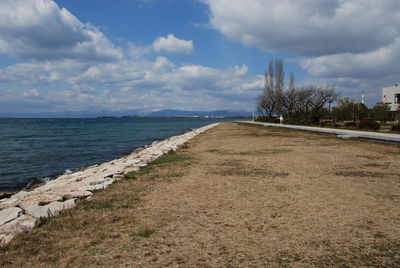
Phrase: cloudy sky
pixel 101 55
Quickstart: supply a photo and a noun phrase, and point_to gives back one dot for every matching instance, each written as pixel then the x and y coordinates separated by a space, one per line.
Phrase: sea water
pixel 36 150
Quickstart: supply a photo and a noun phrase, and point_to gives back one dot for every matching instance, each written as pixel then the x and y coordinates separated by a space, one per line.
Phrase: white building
pixel 391 95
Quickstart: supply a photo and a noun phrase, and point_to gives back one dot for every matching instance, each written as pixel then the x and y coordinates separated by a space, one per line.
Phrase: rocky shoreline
pixel 21 211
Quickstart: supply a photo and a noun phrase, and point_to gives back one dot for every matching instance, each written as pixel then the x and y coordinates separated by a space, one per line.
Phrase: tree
pixel 305 104
pixel 344 110
pixel 381 112
pixel 269 101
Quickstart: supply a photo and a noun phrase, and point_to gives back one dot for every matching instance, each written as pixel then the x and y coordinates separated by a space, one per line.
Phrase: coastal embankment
pixel 20 212
pixel 237 195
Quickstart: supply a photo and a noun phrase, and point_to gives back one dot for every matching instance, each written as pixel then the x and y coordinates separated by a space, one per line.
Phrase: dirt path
pixel 237 196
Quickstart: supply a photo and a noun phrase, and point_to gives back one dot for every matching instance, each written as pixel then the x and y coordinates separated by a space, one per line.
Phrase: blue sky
pixel 101 55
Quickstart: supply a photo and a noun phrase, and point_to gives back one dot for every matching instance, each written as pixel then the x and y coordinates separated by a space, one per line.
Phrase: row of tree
pixel 304 104
pixel 347 109
pixel 311 104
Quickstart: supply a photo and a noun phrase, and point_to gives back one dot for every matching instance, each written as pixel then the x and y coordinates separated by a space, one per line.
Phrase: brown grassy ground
pixel 236 196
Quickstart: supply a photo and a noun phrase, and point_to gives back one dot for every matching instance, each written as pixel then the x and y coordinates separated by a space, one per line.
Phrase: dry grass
pixel 236 196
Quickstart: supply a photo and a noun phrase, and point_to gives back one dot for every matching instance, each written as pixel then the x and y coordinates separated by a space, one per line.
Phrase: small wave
pixel 68 171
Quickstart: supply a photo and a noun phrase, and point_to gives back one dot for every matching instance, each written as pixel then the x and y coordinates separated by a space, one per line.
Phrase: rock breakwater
pixel 21 211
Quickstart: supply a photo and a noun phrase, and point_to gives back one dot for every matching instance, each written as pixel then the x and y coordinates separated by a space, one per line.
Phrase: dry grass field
pixel 235 196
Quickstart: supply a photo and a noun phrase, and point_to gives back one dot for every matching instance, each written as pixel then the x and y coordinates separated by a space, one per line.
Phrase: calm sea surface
pixel 35 150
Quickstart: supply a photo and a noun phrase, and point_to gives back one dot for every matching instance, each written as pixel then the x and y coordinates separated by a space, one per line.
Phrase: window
pixel 397 98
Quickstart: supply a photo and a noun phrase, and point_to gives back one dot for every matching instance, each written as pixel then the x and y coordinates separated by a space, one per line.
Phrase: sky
pixel 149 55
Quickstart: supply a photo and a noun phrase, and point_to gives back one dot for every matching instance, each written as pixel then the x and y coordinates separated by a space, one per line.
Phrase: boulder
pixel 25 223
pixel 9 202
pixel 8 231
pixel 69 204
pixel 75 194
pixel 39 198
pixel 132 162
pixel 9 214
pixel 47 211
pixel 5 239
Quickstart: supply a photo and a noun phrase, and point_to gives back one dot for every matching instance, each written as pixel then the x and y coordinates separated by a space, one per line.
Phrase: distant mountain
pixel 183 113
pixel 161 113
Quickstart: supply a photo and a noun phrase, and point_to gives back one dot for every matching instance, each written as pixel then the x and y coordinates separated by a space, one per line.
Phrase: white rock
pixel 9 214
pixel 69 204
pixel 132 162
pixel 39 198
pixel 38 211
pixel 76 194
pixel 5 239
pixel 50 210
pixel 93 188
pixel 9 202
pixel 24 223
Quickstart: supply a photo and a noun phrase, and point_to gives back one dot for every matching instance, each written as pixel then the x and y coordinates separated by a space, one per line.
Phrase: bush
pixel 328 123
pixel 350 124
pixel 368 124
pixel 268 119
pixel 395 127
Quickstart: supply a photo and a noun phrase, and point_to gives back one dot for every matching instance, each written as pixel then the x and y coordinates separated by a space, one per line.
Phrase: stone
pixel 39 198
pixel 119 177
pixel 9 202
pixel 76 194
pixel 38 211
pixel 25 223
pixel 9 214
pixel 132 162
pixel 5 239
pixel 92 188
pixel 69 204
pixel 50 210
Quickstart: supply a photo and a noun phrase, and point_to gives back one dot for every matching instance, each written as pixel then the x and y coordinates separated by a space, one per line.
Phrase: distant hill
pixel 161 113
pixel 224 113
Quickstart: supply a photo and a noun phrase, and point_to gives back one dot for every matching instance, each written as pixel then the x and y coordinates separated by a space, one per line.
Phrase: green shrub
pixel 368 124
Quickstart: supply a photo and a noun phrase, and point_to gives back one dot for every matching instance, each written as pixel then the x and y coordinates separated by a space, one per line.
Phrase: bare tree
pixel 266 103
pixel 290 97
pixel 269 102
pixel 298 104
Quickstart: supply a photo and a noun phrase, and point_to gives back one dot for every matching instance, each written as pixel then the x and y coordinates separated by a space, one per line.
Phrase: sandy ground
pixel 237 196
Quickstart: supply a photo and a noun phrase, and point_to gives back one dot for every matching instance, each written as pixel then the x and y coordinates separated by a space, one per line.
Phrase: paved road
pixel 344 133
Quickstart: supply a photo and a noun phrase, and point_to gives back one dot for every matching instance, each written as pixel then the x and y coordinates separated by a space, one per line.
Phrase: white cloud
pixel 352 44
pixel 172 44
pixel 66 65
pixel 40 30
pixel 308 27
pixel 374 64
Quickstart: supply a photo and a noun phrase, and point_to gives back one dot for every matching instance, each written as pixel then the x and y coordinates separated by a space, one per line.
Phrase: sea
pixel 33 151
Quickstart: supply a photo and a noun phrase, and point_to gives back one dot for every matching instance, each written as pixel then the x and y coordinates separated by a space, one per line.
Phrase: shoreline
pixel 21 211
pixel 237 195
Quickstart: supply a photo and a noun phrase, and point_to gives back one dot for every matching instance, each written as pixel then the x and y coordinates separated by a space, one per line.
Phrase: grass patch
pixel 171 157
